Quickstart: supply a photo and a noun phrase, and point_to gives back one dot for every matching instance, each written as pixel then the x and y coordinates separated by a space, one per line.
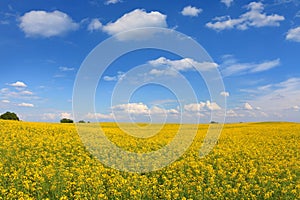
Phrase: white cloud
pixel 46 24
pixel 231 113
pixel 184 64
pixel 5 101
pixel 155 110
pixel 118 77
pixel 294 34
pixel 132 108
pixel 296 108
pixel 25 105
pixel 247 106
pixel 99 116
pixel 112 2
pixel 224 94
pixel 18 84
pixel 134 20
pixel 212 106
pixel 122 110
pixel 227 2
pixel 196 107
pixel 264 66
pixel 95 25
pixel 245 68
pixel 281 97
pixel 253 18
pixel 65 115
pixel 26 92
pixel 49 116
pixel 65 69
pixel 191 11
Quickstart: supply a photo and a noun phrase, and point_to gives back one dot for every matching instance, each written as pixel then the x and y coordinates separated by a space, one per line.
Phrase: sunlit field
pixel 250 161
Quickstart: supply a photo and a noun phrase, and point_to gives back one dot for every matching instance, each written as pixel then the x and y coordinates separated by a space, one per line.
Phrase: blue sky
pixel 254 44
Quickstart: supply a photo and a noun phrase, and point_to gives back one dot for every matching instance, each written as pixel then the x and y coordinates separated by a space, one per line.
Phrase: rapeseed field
pixel 250 161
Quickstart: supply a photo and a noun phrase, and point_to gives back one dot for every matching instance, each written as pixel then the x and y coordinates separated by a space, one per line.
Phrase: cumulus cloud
pixel 133 20
pixel 253 18
pixel 247 106
pixel 294 34
pixel 227 2
pixel 196 107
pixel 224 94
pixel 65 115
pixel 94 25
pixel 231 113
pixel 25 105
pixel 38 23
pixel 132 108
pixel 191 11
pixel 5 101
pixel 184 64
pixel 142 109
pixel 18 84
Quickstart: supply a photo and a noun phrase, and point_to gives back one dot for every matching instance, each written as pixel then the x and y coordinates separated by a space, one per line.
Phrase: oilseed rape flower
pixel 250 161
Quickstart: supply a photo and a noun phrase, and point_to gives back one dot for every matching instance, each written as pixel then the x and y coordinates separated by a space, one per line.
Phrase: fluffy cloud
pixel 5 101
pixel 253 18
pixel 191 11
pixel 18 84
pixel 65 115
pixel 94 25
pixel 46 24
pixel 224 94
pixel 231 113
pixel 184 64
pixel 132 108
pixel 227 2
pixel 134 20
pixel 142 109
pixel 234 68
pixel 196 107
pixel 294 34
pixel 25 105
pixel 247 106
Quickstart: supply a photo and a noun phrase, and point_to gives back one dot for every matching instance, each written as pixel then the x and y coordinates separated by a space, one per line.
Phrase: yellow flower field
pixel 250 161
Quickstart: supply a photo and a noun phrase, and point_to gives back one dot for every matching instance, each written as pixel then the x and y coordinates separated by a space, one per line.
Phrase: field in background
pixel 251 160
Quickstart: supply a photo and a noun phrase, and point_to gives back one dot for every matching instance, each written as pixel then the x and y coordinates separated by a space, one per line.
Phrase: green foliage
pixel 65 120
pixel 9 116
pixel 81 121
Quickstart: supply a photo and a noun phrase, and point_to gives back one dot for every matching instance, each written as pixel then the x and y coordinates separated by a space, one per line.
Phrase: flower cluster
pixel 250 161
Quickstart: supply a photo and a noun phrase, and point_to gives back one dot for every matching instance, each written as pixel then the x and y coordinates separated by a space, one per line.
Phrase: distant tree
pixel 81 121
pixel 65 120
pixel 9 116
pixel 213 122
